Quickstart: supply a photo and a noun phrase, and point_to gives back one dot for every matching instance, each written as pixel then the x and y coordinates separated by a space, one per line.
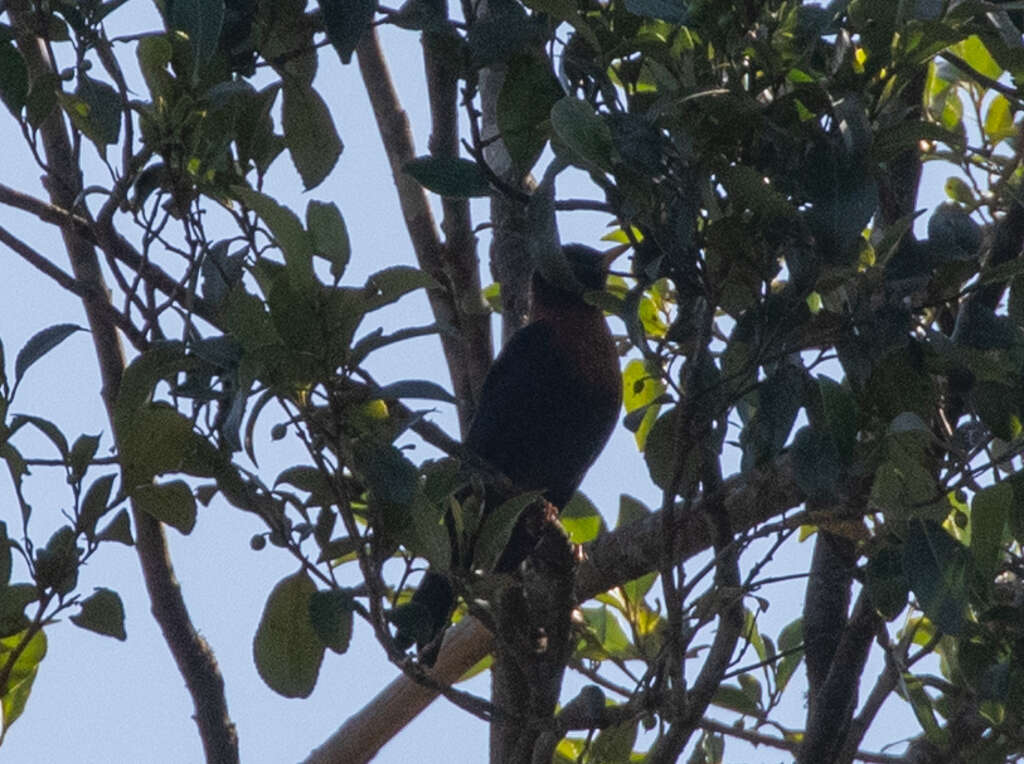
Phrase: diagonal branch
pixel 456 310
pixel 611 560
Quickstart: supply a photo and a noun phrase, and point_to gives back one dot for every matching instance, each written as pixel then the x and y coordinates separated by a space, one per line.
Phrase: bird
pixel 547 407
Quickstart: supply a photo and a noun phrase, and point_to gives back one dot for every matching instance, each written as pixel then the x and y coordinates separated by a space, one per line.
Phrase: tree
pixel 761 163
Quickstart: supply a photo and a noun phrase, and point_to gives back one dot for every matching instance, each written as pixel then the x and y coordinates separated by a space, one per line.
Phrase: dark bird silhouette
pixel 547 407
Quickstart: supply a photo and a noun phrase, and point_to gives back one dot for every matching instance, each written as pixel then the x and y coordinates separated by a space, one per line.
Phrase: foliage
pixel 761 163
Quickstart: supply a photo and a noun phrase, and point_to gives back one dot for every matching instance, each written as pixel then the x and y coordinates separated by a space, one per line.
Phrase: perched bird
pixel 547 407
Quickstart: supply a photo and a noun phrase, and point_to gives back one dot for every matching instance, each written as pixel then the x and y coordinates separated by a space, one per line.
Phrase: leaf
pixel 415 388
pixel 171 503
pixel 119 529
pixel 295 243
pixel 39 345
pixel 286 648
pixel 309 132
pixel 581 519
pixel 13 78
pixel 642 386
pixel 528 93
pixel 331 614
pixel 103 613
pixel 81 455
pixel 345 22
pixel 6 559
pixel 386 286
pixel 156 440
pixel 201 21
pixel 672 11
pixel 937 569
pixel 605 629
pixel 497 529
pixel 94 504
pixel 451 177
pixel 583 132
pixel 841 414
pixel 13 601
pixel 95 109
pixel 614 744
pixel 57 562
pixel 735 699
pixel 330 235
pixel 990 510
pixel 886 582
pixel 816 464
pixel 790 639
pixel 22 673
pixel 999 120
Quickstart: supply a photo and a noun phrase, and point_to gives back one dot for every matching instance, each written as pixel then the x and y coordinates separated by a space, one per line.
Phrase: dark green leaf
pixel 886 582
pixel 630 511
pixel 156 440
pixel 201 21
pixel 311 480
pixel 841 414
pixel 583 132
pixel 816 464
pixel 605 628
pixel 528 93
pixel 171 503
pixel 13 601
pixel 448 176
pixel 672 11
pixel 309 132
pixel 614 744
pixel 102 613
pixel 46 427
pixel 345 21
pixel 6 559
pixel 735 699
pixel 330 235
pixel 94 504
pixel 95 109
pixel 291 237
pixel 990 510
pixel 924 711
pixel 57 562
pixel 388 285
pixel 39 345
pixel 937 570
pixel 13 78
pixel 286 648
pixel 81 455
pixel 331 615
pixel 497 529
pixel 119 529
pixel 162 361
pixel 415 388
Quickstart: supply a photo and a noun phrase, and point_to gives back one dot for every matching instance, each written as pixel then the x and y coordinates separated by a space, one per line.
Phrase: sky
pixel 97 700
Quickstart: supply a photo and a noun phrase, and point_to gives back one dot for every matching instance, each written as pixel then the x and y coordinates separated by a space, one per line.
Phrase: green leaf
pixel 415 388
pixel 937 570
pixel 583 132
pixel 13 78
pixel 331 614
pixel 448 176
pixel 94 504
pixel 102 613
pixel 22 673
pixel 790 638
pixel 95 109
pixel 309 132
pixel 39 345
pixel 57 562
pixel 528 93
pixel 642 386
pixel 154 53
pixel 614 744
pixel 886 582
pixel 816 464
pixel 386 286
pixel 290 236
pixel 581 519
pixel 924 711
pixel 46 427
pixel 735 699
pixel 497 529
pixel 990 510
pixel 999 120
pixel 6 559
pixel 13 601
pixel 286 648
pixel 345 22
pixel 974 52
pixel 156 440
pixel 119 529
pixel 201 21
pixel 749 190
pixel 631 511
pixel 171 503
pixel 605 629
pixel 330 235
pixel 81 455
pixel 841 414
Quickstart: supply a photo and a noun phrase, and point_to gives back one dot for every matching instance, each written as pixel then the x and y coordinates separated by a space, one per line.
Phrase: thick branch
pixel 467 363
pixel 611 560
pixel 193 656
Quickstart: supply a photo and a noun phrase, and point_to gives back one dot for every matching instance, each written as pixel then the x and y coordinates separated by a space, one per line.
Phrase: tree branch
pixel 467 363
pixel 191 652
pixel 610 560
